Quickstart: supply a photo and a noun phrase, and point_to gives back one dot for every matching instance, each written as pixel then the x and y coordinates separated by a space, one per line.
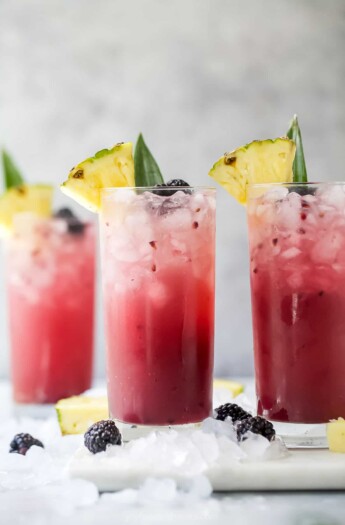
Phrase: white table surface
pixel 295 508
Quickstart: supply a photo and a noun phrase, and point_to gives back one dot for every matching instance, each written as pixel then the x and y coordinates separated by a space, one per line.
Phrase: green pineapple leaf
pixel 12 175
pixel 146 170
pixel 299 168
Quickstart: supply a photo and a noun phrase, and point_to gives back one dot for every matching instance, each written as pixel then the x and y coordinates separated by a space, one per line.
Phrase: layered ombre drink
pixel 50 282
pixel 297 268
pixel 158 256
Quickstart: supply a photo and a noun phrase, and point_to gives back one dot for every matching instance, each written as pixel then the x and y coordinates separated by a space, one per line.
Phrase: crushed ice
pixel 178 463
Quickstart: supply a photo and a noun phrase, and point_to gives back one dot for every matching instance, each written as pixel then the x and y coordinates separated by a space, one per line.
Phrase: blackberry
pixel 177 183
pixel 64 213
pixel 164 191
pixel 101 434
pixel 235 412
pixel 21 443
pixel 74 225
pixel 257 425
pixel 161 189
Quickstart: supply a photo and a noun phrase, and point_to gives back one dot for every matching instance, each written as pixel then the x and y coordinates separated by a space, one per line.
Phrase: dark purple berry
pixel 257 425
pixel 75 226
pixel 21 443
pixel 101 434
pixel 166 190
pixel 231 410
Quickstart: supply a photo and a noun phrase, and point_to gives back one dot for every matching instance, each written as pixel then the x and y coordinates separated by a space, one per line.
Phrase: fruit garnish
pixel 108 168
pixel 100 435
pixel 168 189
pixel 231 410
pixel 147 172
pixel 261 161
pixel 74 225
pixel 21 443
pixel 256 425
pixel 336 435
pixel 234 388
pixel 299 168
pixel 12 175
pixel 75 414
pixel 36 199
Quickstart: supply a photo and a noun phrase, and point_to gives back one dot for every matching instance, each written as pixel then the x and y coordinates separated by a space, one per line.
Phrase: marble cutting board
pixel 302 469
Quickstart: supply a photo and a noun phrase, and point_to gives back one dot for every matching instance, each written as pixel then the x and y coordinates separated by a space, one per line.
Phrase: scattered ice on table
pixel 219 428
pixel 255 447
pixel 258 448
pixel 158 491
pixel 162 491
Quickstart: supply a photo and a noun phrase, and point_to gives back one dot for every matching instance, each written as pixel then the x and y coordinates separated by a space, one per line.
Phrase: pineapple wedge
pixel 19 199
pixel 108 168
pixel 234 388
pixel 261 161
pixel 336 435
pixel 75 414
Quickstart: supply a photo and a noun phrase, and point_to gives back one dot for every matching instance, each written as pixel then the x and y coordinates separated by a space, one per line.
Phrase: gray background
pixel 197 77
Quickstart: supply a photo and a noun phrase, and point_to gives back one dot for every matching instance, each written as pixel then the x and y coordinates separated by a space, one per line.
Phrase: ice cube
pixel 200 487
pixel 291 253
pixel 276 194
pixel 124 195
pixel 123 497
pixel 219 428
pixel 207 445
pixel 327 247
pixel 161 491
pixel 254 446
pixel 333 195
pixel 178 222
pixel 276 450
pixel 288 213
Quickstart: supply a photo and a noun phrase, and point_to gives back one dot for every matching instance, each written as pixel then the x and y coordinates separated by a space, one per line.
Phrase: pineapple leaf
pixel 299 168
pixel 147 172
pixel 12 175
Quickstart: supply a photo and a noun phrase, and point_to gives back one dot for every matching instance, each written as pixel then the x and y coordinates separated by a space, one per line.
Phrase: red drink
pixel 297 251
pixel 50 276
pixel 158 279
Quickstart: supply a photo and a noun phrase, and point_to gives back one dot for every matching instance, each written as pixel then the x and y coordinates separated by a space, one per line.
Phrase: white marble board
pixel 302 469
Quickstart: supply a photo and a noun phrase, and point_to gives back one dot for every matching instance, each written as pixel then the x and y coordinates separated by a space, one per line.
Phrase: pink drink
pixel 50 276
pixel 158 279
pixel 297 253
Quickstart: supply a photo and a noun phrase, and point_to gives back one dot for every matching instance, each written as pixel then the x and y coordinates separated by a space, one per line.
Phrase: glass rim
pixel 292 184
pixel 149 188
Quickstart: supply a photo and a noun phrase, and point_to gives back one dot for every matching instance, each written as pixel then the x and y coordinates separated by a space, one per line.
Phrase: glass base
pixel 131 431
pixel 298 435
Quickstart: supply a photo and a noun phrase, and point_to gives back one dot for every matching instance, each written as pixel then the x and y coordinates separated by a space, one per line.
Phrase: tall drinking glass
pixel 50 284
pixel 158 280
pixel 297 268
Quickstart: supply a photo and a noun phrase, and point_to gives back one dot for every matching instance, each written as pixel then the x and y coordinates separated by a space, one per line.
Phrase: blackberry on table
pixel 101 434
pixel 21 443
pixel 257 425
pixel 235 412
